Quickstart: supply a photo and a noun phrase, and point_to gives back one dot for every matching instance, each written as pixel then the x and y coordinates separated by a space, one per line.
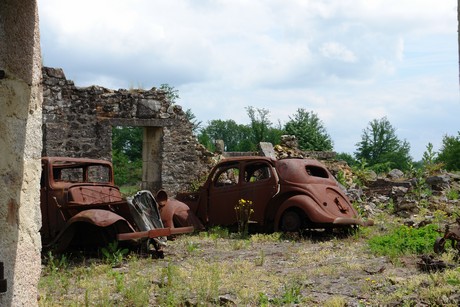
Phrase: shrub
pixel 405 240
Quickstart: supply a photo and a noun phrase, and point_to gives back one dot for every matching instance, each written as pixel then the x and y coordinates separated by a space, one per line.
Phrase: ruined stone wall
pixel 78 122
pixel 20 148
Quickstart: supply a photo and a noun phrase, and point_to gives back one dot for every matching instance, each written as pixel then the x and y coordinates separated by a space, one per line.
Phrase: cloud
pixel 349 61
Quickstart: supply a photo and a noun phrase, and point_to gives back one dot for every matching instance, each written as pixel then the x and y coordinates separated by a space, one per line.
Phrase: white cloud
pixel 337 51
pixel 350 61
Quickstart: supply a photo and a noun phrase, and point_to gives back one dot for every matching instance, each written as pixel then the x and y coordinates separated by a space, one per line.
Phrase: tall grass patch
pixel 405 240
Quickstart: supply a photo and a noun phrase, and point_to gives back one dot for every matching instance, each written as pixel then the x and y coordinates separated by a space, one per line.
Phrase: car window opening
pixel 316 171
pixel 257 172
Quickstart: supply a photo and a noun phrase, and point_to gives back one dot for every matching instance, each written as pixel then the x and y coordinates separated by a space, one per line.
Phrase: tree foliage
pixel 127 154
pixel 235 136
pixel 309 131
pixel 450 152
pixel 192 118
pixel 343 156
pixel 128 141
pixel 238 137
pixel 381 148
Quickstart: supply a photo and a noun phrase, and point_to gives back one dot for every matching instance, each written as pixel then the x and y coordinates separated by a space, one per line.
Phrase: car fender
pixel 305 204
pixel 98 217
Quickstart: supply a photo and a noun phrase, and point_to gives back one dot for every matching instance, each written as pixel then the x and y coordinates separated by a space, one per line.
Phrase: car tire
pixel 291 221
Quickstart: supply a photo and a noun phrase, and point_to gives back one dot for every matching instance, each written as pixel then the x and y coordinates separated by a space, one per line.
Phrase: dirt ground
pixel 325 270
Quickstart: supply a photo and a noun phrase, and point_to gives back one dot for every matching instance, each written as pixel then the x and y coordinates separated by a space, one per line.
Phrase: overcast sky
pixel 349 61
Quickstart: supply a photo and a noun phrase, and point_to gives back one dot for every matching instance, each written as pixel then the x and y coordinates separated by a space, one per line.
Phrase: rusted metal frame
pixel 154 233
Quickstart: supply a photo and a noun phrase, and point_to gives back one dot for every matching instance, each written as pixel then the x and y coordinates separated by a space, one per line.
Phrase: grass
pixel 405 240
pixel 215 268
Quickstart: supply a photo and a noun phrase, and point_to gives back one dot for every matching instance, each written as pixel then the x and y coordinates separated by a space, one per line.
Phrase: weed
pixel 336 301
pixel 218 232
pixel 136 291
pixel 341 178
pixel 119 280
pixel 114 255
pixel 206 282
pixel 362 173
pixel 259 261
pixel 262 237
pixel 263 300
pixel 452 194
pixel 240 244
pixel 57 264
pixel 405 240
pixel 192 246
pixel 169 293
pixel 291 294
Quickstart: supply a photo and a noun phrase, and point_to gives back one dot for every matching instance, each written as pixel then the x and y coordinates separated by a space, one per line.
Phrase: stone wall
pixel 78 122
pixel 20 148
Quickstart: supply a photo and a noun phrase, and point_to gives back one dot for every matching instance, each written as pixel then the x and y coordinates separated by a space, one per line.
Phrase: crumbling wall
pixel 20 148
pixel 78 122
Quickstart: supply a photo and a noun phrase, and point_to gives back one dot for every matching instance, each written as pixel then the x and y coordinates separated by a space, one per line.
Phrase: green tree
pixel 309 131
pixel 381 148
pixel 259 123
pixel 450 152
pixel 192 118
pixel 236 137
pixel 343 156
pixel 127 154
pixel 172 94
pixel 128 141
pixel 261 127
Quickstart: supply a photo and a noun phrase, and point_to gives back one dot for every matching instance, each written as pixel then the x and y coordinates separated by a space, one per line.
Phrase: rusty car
pixel 288 195
pixel 82 207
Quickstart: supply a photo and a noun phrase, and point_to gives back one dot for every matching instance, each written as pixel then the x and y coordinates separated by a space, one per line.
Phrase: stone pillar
pixel 151 158
pixel 20 151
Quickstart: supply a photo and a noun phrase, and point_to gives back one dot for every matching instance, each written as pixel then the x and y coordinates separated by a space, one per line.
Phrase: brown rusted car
pixel 82 207
pixel 287 195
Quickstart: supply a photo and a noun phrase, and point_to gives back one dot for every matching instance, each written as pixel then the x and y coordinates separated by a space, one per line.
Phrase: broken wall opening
pixel 136 156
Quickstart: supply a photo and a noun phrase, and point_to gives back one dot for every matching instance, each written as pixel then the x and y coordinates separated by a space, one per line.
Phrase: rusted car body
pixel 81 206
pixel 287 195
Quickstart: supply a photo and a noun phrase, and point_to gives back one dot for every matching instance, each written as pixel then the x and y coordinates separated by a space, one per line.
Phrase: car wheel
pixel 291 221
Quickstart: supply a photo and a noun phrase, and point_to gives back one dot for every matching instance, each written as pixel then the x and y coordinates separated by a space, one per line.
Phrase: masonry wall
pixel 78 122
pixel 20 149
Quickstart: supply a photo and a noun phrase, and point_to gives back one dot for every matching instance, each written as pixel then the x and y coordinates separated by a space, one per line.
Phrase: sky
pixel 348 61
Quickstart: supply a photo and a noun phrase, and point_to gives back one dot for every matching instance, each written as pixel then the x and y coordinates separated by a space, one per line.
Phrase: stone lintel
pixel 136 122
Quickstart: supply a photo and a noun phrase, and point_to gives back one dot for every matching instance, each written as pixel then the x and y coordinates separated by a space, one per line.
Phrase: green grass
pixel 405 240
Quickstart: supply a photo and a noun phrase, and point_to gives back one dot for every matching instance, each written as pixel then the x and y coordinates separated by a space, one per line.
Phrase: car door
pixel 224 193
pixel 259 184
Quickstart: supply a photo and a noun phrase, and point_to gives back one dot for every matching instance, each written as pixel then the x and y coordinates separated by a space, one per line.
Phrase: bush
pixel 405 240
